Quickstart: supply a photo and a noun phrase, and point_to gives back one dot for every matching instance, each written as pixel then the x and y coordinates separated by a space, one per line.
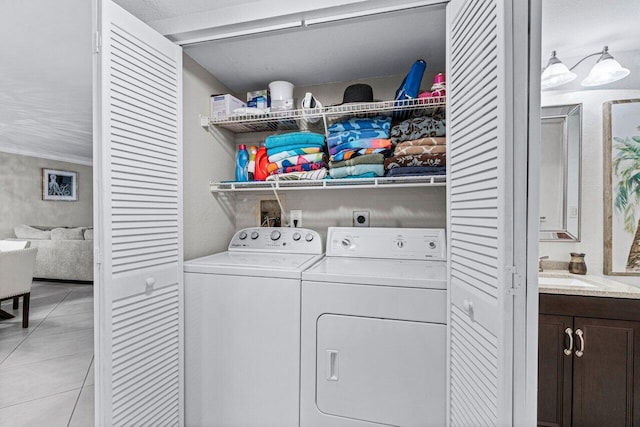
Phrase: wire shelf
pixel 318 119
pixel 330 184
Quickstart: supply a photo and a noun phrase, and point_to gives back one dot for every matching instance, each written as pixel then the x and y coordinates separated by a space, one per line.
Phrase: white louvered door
pixel 138 216
pixel 480 213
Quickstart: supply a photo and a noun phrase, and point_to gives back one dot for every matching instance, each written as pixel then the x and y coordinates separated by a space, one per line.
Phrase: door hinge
pixel 515 287
pixel 97 42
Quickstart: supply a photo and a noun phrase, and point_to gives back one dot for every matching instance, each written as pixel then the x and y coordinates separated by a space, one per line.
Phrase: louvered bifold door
pixel 138 215
pixel 479 215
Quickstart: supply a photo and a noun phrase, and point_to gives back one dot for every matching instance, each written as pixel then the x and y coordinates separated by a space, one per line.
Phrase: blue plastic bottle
pixel 242 163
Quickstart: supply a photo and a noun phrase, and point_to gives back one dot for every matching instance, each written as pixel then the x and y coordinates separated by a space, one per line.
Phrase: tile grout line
pixel 75 405
pixel 33 330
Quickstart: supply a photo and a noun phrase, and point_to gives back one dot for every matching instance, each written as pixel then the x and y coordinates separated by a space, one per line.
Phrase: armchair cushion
pixel 23 231
pixel 67 234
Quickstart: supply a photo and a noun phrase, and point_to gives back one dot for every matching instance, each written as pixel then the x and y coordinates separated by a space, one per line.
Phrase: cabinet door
pixel 554 370
pixel 606 375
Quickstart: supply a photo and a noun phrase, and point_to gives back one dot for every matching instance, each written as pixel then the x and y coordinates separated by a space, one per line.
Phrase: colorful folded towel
pixel 301 168
pixel 346 171
pixel 309 139
pixel 293 152
pixel 416 160
pixel 418 170
pixel 296 160
pixel 350 154
pixel 361 143
pixel 298 176
pixel 419 127
pixel 275 150
pixel 351 135
pixel 362 175
pixel 368 159
pixel 420 149
pixel 357 123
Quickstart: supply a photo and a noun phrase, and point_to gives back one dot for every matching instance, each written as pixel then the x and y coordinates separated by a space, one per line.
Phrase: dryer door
pixel 381 371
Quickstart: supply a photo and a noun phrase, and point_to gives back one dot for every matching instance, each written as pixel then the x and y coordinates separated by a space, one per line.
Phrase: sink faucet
pixel 540 262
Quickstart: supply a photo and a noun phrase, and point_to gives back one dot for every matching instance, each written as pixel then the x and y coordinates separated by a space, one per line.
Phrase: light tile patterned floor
pixel 47 369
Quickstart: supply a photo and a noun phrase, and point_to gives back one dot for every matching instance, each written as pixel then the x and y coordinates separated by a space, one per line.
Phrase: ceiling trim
pixel 67 158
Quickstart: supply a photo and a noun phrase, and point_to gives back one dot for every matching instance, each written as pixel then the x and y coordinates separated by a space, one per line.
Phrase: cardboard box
pixel 222 106
pixel 258 98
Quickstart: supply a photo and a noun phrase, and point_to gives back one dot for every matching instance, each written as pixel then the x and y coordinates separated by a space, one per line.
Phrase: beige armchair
pixel 16 275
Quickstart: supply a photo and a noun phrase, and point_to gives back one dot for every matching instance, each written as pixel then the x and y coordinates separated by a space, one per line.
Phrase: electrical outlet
pixel 361 218
pixel 295 218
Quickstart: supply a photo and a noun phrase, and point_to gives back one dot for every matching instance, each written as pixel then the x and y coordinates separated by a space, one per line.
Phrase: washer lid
pixel 258 264
pixel 380 272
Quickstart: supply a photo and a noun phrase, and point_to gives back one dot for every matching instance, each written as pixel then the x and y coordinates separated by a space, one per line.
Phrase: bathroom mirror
pixel 560 173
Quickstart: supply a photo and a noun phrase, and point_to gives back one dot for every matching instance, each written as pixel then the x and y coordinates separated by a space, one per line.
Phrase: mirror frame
pixel 566 113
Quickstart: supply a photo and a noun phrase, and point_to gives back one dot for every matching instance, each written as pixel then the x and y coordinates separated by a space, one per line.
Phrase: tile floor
pixel 46 370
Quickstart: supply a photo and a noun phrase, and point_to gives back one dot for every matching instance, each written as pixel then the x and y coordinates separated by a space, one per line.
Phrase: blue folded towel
pixel 309 139
pixel 346 171
pixel 357 123
pixel 351 135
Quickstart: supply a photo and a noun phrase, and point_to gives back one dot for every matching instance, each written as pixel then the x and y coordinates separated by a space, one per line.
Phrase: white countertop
pixel 565 283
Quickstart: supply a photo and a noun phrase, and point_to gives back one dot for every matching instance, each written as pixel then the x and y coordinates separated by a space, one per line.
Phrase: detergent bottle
pixel 242 163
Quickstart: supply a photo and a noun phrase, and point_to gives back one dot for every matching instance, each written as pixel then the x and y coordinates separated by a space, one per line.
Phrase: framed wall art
pixel 59 185
pixel 622 187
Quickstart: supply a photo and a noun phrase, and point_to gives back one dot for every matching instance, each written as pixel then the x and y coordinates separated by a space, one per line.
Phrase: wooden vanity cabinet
pixel 593 380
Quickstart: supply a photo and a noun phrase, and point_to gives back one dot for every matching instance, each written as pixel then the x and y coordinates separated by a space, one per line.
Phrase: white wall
pixel 21 194
pixel 592 215
pixel 207 156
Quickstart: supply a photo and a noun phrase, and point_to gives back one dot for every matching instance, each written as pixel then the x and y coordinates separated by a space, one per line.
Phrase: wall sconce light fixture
pixel 606 70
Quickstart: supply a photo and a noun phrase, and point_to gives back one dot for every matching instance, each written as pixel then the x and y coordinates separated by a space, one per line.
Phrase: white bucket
pixel 281 90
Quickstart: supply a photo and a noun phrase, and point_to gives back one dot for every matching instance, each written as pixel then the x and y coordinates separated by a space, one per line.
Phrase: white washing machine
pixel 242 329
pixel 374 330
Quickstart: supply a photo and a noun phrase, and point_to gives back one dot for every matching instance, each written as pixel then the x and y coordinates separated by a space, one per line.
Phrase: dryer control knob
pixel 254 235
pixel 242 235
pixel 400 243
pixel 275 235
pixel 346 243
pixel 296 236
pixel 432 245
pixel 308 237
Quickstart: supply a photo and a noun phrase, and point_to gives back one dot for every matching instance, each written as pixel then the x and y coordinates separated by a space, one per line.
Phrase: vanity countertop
pixel 565 283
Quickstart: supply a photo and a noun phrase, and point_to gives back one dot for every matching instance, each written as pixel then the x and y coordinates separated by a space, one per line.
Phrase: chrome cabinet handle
pixel 569 332
pixel 580 335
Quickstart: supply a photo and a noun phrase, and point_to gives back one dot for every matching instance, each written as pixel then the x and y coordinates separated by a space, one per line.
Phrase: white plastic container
pixel 281 95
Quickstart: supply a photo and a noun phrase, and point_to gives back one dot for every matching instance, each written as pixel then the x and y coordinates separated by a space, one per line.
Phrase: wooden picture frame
pixel 622 187
pixel 59 185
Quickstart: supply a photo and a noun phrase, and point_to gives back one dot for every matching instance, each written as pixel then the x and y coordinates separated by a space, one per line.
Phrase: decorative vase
pixel 577 264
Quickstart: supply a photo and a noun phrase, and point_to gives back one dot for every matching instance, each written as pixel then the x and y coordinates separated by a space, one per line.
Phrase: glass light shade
pixel 605 71
pixel 555 75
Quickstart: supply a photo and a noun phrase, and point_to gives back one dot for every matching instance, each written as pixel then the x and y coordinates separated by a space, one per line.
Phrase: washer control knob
pixel 296 236
pixel 308 237
pixel 275 235
pixel 254 235
pixel 400 243
pixel 346 243
pixel 432 245
pixel 243 235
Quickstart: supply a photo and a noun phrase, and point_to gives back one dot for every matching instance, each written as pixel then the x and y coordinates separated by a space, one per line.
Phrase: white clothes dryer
pixel 242 329
pixel 374 330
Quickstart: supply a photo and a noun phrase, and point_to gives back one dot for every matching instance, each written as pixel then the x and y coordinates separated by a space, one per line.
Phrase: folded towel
pixel 423 141
pixel 362 175
pixel 351 135
pixel 298 176
pixel 356 123
pixel 416 128
pixel 293 152
pixel 295 160
pixel 416 160
pixel 346 171
pixel 275 150
pixel 300 168
pixel 361 143
pixel 418 170
pixel 350 154
pixel 368 159
pixel 310 139
pixel 420 149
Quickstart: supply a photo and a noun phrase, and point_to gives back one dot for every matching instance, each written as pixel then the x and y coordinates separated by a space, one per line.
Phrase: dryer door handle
pixel 332 366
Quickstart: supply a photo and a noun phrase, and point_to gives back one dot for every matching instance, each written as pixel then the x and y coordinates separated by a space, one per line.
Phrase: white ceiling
pixel 45 72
